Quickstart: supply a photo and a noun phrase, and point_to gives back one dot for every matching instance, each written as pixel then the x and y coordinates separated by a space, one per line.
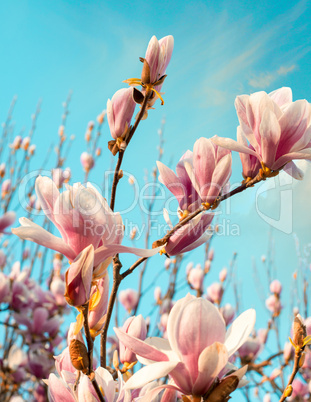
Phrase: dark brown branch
pixel 116 283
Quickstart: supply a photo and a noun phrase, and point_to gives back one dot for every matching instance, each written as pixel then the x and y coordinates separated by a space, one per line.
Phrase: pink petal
pixel 140 347
pixel 228 143
pixel 293 170
pixel 160 344
pixel 204 163
pixel 47 194
pixel 33 232
pixel 304 154
pixel 171 181
pixel 7 219
pixel 270 132
pixel 103 252
pixel 155 391
pixel 58 392
pixel 198 325
pixel 240 330
pixel 211 361
pixel 282 96
pixel 150 373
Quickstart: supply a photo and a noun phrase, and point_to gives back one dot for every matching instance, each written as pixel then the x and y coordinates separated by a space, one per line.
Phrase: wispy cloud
pixel 264 80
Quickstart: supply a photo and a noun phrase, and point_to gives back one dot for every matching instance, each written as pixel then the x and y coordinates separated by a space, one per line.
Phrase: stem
pixel 131 269
pixel 90 345
pixel 294 372
pixel 117 278
pixel 182 223
pixel 116 176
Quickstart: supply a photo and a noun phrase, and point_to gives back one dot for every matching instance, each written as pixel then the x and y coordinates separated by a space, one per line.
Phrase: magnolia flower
pixel 83 217
pixel 134 326
pixel 87 161
pixel 6 220
pixel 276 287
pixel 197 349
pixel 120 110
pixel 129 299
pixel 196 277
pixel 98 305
pixel 157 58
pixel 277 129
pixel 201 176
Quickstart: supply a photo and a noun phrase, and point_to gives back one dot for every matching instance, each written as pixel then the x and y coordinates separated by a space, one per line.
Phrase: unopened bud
pixel 79 356
pixel 115 360
pixel 120 174
pixel 299 331
pixel 288 391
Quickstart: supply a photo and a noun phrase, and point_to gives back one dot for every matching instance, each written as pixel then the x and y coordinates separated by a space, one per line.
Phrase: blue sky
pixel 222 49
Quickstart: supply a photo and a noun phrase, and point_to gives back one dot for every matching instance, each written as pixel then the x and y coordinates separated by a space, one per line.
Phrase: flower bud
pixel 6 187
pixel 157 294
pixel 2 169
pixel 129 299
pixel 274 305
pixel 87 161
pixel 120 110
pixel 228 313
pixel 25 143
pixel 98 305
pixel 223 275
pixel 196 277
pixel 134 326
pixel 276 287
pixel 17 142
pixel 215 292
pixel 79 356
pixel 31 149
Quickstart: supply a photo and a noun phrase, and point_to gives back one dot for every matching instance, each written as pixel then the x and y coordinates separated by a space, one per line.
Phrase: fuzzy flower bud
pixel 120 110
pixel 87 161
pixel 215 292
pixel 129 299
pixel 276 287
pixel 134 326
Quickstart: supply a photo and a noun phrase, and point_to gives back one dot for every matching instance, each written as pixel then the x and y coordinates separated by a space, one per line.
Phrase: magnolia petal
pixel 140 348
pixel 211 361
pixel 106 382
pixel 33 232
pixel 293 170
pixel 7 219
pixel 228 143
pixel 149 396
pixel 270 132
pixel 150 373
pixel 58 392
pixel 282 96
pixel 160 344
pixel 47 194
pixel 171 181
pixel 103 252
pixel 240 330
pixel 304 154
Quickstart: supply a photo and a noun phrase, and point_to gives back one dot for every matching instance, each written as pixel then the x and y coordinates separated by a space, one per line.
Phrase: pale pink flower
pixel 250 349
pixel 129 299
pixel 200 178
pixel 276 287
pixel 300 389
pixel 274 305
pixel 196 351
pixel 196 277
pixel 120 110
pixel 7 219
pixel 6 187
pixel 58 288
pixel 223 274
pixel 278 130
pixel 215 292
pixel 17 142
pixel 228 313
pixel 83 217
pixel 134 326
pixel 157 294
pixel 5 289
pixel 87 161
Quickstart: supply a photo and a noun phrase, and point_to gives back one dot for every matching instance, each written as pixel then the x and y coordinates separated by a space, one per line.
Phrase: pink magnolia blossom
pixel 6 220
pixel 196 277
pixel 228 313
pixel 201 176
pixel 158 56
pixel 196 351
pixel 277 129
pixel 274 305
pixel 120 110
pixel 300 389
pixel 250 349
pixel 134 326
pixel 129 299
pixel 87 161
pixel 83 217
pixel 215 292
pixel 276 287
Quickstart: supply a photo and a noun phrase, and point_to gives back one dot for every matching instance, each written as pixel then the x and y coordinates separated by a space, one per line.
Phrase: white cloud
pixel 264 80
